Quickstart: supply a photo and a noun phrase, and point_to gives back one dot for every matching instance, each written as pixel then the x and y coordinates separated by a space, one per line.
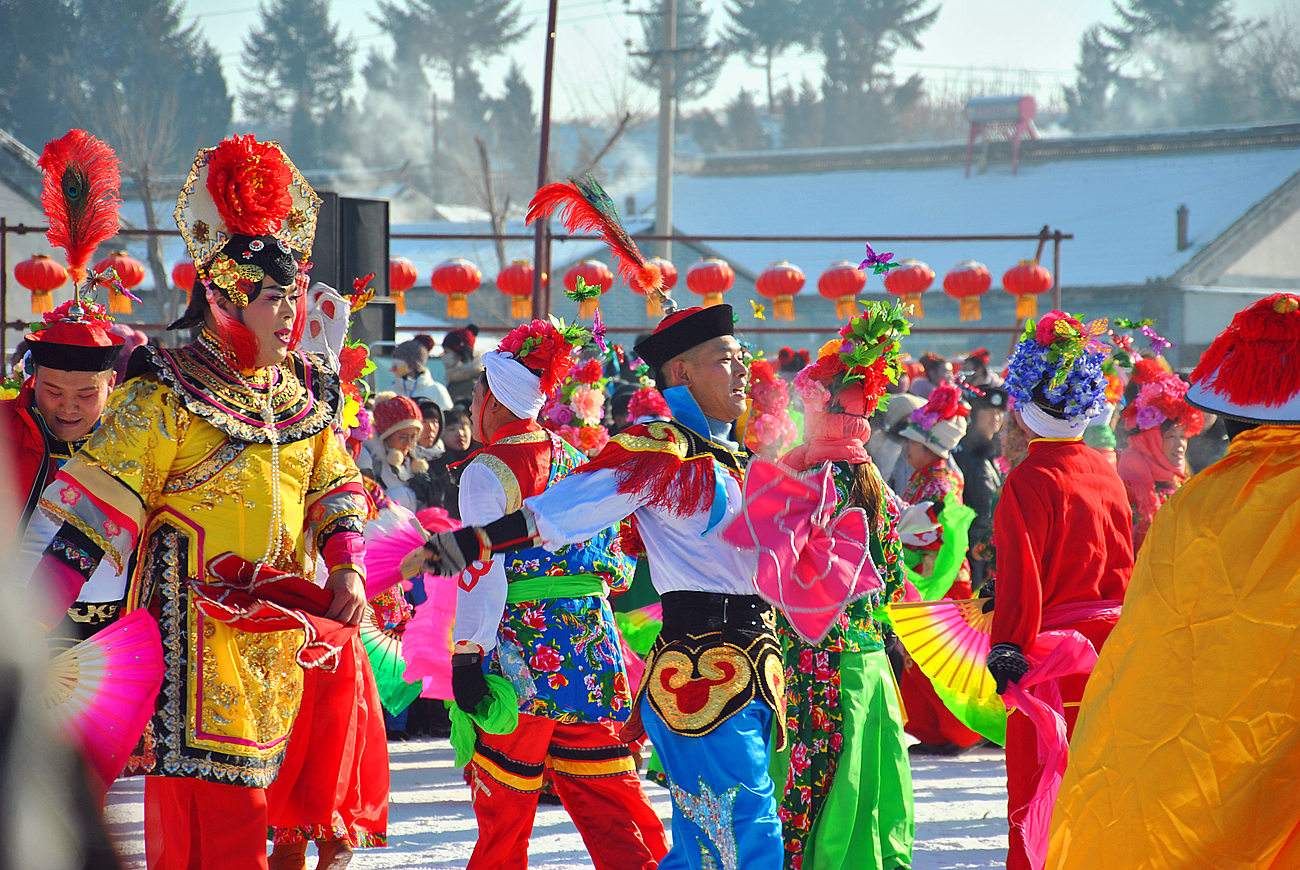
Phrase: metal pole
pixel 540 307
pixel 667 122
pixel 4 295
pixel 1056 269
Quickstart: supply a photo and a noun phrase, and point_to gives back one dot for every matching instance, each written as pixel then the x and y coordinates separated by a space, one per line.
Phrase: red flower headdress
pixel 545 349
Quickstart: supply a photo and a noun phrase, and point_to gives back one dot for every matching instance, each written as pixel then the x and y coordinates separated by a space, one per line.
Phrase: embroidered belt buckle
pixel 90 613
pixel 696 683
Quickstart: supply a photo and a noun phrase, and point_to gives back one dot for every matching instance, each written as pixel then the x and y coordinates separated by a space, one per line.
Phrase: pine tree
pixel 452 35
pixel 698 64
pixel 763 30
pixel 38 72
pixel 744 127
pixel 802 118
pixel 1209 21
pixel 299 71
pixel 858 40
pixel 513 125
pixel 144 61
pixel 1087 103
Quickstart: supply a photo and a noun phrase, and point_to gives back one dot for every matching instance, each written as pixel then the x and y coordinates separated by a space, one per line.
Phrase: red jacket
pixel 24 443
pixel 1062 532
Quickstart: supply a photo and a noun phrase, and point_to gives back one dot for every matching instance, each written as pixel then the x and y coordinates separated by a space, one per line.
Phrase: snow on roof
pixel 1121 211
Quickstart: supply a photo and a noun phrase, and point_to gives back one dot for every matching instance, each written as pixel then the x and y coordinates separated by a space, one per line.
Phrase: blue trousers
pixel 724 803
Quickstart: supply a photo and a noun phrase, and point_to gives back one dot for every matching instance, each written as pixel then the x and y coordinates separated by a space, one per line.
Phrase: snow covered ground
pixel 960 808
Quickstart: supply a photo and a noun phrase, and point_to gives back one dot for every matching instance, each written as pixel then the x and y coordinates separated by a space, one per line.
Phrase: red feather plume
pixel 586 208
pixel 80 196
pixel 249 182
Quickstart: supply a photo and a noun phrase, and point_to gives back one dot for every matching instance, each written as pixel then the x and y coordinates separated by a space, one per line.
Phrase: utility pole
pixel 667 130
pixel 434 168
pixel 541 248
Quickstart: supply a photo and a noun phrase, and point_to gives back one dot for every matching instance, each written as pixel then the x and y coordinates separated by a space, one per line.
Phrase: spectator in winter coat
pixel 413 380
pixel 386 458
pixel 976 455
pixel 463 365
pixel 444 472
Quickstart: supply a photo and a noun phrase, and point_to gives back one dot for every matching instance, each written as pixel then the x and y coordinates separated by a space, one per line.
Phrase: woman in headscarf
pixel 1154 464
pixel 847 797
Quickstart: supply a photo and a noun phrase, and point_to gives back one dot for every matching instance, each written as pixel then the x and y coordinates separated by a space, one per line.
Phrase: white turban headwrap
pixel 513 385
pixel 1046 426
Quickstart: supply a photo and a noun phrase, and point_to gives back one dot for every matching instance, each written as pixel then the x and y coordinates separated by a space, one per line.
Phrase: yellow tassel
pixel 118 303
pixel 521 307
pixel 711 299
pixel 587 308
pixel 1026 306
pixel 42 302
pixel 783 308
pixel 399 302
pixel 653 309
pixel 918 310
pixel 968 308
pixel 458 306
pixel 845 307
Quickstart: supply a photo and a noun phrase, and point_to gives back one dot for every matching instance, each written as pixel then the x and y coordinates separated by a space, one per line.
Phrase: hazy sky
pixel 989 40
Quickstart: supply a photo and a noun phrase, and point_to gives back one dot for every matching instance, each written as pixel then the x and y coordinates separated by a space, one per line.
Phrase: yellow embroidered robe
pixel 182 469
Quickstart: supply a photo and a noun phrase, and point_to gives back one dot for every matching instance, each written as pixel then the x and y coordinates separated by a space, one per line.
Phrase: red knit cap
pixel 393 415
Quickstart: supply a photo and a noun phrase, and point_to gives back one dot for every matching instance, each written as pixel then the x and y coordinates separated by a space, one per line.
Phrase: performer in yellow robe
pixel 222 446
pixel 1187 749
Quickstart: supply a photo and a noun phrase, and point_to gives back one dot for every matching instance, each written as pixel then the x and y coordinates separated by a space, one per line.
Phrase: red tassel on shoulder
pixel 1256 360
pixel 678 486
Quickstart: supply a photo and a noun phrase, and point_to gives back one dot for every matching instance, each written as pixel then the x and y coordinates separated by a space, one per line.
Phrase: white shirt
pixel 481 589
pixel 682 557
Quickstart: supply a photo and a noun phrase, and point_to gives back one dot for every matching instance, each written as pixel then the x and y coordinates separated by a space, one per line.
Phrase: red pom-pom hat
pixel 1252 369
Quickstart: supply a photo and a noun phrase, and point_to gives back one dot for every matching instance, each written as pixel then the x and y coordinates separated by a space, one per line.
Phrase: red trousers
pixel 595 778
pixel 190 824
pixel 1023 771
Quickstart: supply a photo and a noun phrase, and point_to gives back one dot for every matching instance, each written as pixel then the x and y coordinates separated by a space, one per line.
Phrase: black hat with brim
pixel 683 330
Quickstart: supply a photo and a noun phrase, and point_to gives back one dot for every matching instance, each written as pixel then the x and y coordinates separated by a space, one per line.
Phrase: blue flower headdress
pixel 1058 364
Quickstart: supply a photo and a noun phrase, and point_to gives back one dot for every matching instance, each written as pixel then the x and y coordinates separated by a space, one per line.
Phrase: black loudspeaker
pixel 325 248
pixel 363 247
pixel 376 323
pixel 351 240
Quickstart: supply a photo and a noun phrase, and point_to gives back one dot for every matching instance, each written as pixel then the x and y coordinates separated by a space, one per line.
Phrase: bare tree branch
pixel 619 130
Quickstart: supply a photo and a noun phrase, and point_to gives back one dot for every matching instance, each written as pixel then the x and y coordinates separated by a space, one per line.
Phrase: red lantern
pixel 653 309
pixel 42 275
pixel 402 276
pixel 1027 281
pixel 456 279
pixel 130 272
pixel 596 274
pixel 184 275
pixel 710 278
pixel 516 281
pixel 842 283
pixel 908 282
pixel 780 282
pixel 966 283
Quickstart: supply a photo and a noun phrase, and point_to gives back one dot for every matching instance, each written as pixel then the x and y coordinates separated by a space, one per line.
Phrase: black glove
pixel 468 685
pixel 447 554
pixel 1007 664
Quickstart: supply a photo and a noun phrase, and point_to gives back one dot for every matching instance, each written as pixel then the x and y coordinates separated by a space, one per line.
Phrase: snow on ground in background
pixel 960 810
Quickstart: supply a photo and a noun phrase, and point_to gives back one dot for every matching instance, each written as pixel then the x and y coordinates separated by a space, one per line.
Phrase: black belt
pixel 696 613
